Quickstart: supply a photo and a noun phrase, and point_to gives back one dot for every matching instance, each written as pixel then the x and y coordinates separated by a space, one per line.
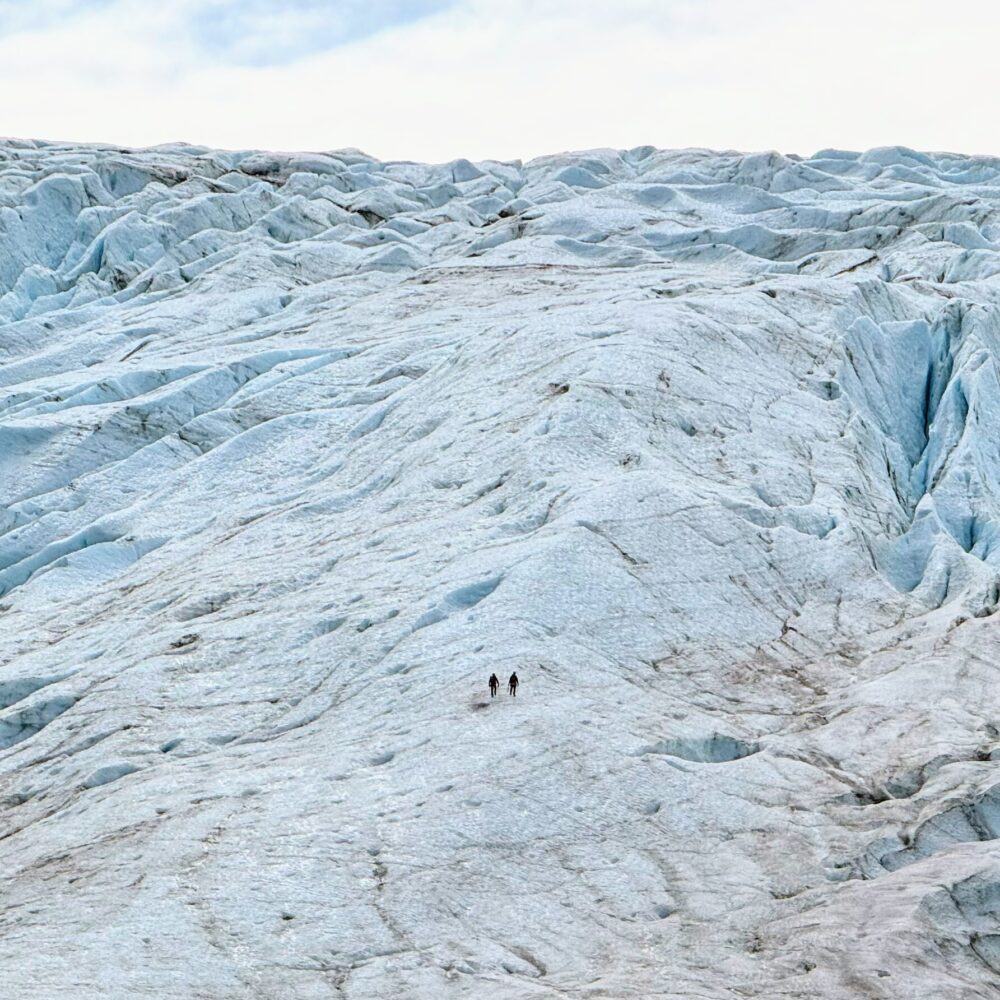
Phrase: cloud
pixel 250 32
pixel 261 32
pixel 509 78
pixel 16 15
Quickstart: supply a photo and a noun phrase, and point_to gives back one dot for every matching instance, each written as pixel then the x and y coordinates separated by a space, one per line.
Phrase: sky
pixel 438 79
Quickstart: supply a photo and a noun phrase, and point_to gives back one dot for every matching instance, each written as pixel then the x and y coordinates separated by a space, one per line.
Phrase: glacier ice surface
pixel 298 448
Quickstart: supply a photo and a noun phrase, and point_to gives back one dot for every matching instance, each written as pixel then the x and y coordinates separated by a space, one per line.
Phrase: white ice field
pixel 296 449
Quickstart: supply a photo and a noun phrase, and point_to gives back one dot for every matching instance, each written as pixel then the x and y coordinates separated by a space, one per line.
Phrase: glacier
pixel 298 448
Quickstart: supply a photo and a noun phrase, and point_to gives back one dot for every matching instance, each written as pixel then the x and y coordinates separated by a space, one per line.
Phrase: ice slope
pixel 297 449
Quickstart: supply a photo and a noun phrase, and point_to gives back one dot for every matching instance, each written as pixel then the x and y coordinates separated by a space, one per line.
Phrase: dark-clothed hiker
pixel 512 685
pixel 494 684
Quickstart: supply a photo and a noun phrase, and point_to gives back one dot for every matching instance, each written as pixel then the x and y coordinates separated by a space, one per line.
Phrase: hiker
pixel 512 685
pixel 494 684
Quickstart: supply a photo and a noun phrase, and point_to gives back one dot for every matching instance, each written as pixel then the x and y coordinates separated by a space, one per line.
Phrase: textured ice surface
pixel 297 449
